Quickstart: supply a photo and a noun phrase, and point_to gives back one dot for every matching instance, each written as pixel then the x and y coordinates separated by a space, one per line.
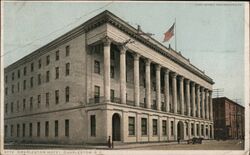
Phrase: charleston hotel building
pixel 103 79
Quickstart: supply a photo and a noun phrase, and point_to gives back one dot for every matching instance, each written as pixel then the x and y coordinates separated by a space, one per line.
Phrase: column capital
pixel 202 88
pixel 173 75
pixel 187 81
pixel 122 49
pixel 136 56
pixel 181 78
pixel 106 41
pixel 158 67
pixel 210 92
pixel 192 83
pixel 148 62
pixel 198 86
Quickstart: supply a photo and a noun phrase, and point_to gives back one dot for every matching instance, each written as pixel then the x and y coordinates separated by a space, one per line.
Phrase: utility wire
pixel 77 19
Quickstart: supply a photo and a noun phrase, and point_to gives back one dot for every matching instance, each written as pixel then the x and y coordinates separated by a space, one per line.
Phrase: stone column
pixel 148 84
pixel 198 101
pixel 189 130
pixel 211 105
pixel 212 136
pixel 181 95
pixel 158 87
pixel 123 74
pixel 200 131
pixel 195 130
pixel 202 103
pixel 208 128
pixel 174 75
pixel 175 129
pixel 193 98
pixel 207 106
pixel 188 97
pixel 136 80
pixel 166 89
pixel 106 52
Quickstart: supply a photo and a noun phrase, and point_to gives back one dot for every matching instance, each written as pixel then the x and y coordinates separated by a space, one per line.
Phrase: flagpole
pixel 175 35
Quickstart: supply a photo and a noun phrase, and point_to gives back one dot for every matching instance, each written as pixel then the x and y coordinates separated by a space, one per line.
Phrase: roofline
pixel 98 20
pixel 225 98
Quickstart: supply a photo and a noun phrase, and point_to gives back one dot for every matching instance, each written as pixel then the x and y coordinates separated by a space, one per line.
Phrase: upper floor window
pixel 39 63
pixel 112 95
pixel 97 67
pixel 24 70
pixel 18 73
pixel 112 71
pixel 47 76
pixel 6 90
pixel 31 103
pixel 17 106
pixel 131 125
pixel 12 88
pixel 31 82
pixel 47 99
pixel 24 104
pixel 38 101
pixel 18 86
pixel 67 94
pixel 67 69
pixel 6 79
pixel 67 50
pixel 13 76
pixel 32 67
pixel 47 60
pixel 57 72
pixel 57 96
pixel 6 108
pixel 24 84
pixel 57 55
pixel 97 94
pixel 39 80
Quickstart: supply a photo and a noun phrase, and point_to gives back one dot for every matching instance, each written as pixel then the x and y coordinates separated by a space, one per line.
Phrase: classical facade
pixel 104 79
pixel 229 118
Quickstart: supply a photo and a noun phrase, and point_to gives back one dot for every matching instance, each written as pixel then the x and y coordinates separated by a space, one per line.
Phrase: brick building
pixel 92 83
pixel 228 119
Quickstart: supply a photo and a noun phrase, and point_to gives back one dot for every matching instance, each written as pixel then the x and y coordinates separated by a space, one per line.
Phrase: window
pixel 39 63
pixel 12 88
pixel 6 108
pixel 47 76
pixel 202 130
pixel 57 96
pixel 47 129
pixel 24 70
pixel 144 126
pixel 56 128
pixel 47 60
pixel 13 76
pixel 112 95
pixel 6 79
pixel 92 125
pixel 97 67
pixel 39 80
pixel 67 48
pixel 154 126
pixel 18 130
pixel 172 128
pixel 6 130
pixel 38 101
pixel 23 130
pixel 6 90
pixel 47 99
pixel 57 72
pixel 67 128
pixel 192 129
pixel 186 128
pixel 131 126
pixel 18 86
pixel 17 106
pixel 67 94
pixel 197 129
pixel 18 74
pixel 164 127
pixel 31 82
pixel 24 104
pixel 112 71
pixel 38 129
pixel 57 55
pixel 24 84
pixel 11 130
pixel 11 107
pixel 112 55
pixel 31 103
pixel 32 67
pixel 97 94
pixel 31 129
pixel 67 69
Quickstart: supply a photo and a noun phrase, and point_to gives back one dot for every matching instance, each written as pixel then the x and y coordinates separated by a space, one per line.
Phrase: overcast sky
pixel 210 35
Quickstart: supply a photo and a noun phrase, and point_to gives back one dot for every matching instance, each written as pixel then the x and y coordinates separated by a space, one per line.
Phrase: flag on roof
pixel 169 34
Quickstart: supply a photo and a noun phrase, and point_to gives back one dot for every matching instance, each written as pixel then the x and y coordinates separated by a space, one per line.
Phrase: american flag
pixel 168 35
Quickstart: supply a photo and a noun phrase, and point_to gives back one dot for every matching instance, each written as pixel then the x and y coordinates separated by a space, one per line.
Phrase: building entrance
pixel 116 127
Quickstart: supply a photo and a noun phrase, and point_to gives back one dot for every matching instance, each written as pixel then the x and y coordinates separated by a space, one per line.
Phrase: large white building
pixel 92 83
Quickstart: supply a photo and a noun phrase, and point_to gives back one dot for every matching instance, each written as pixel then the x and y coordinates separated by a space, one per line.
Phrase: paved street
pixel 207 145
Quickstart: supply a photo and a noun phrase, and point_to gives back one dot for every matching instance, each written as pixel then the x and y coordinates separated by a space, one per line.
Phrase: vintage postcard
pixel 111 77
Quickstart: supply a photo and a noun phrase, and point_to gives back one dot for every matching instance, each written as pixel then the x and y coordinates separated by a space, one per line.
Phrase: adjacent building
pixel 229 119
pixel 104 79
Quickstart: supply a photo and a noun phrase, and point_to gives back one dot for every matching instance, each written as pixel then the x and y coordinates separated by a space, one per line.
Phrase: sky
pixel 211 35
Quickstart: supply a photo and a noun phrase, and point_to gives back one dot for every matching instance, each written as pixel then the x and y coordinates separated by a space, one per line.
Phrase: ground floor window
pixel 30 130
pixel 154 126
pixel 11 130
pixel 131 126
pixel 38 129
pixel 144 126
pixel 92 125
pixel 192 129
pixel 18 130
pixel 23 130
pixel 164 127
pixel 67 128
pixel 46 128
pixel 56 128
pixel 5 130
pixel 197 129
pixel 172 128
